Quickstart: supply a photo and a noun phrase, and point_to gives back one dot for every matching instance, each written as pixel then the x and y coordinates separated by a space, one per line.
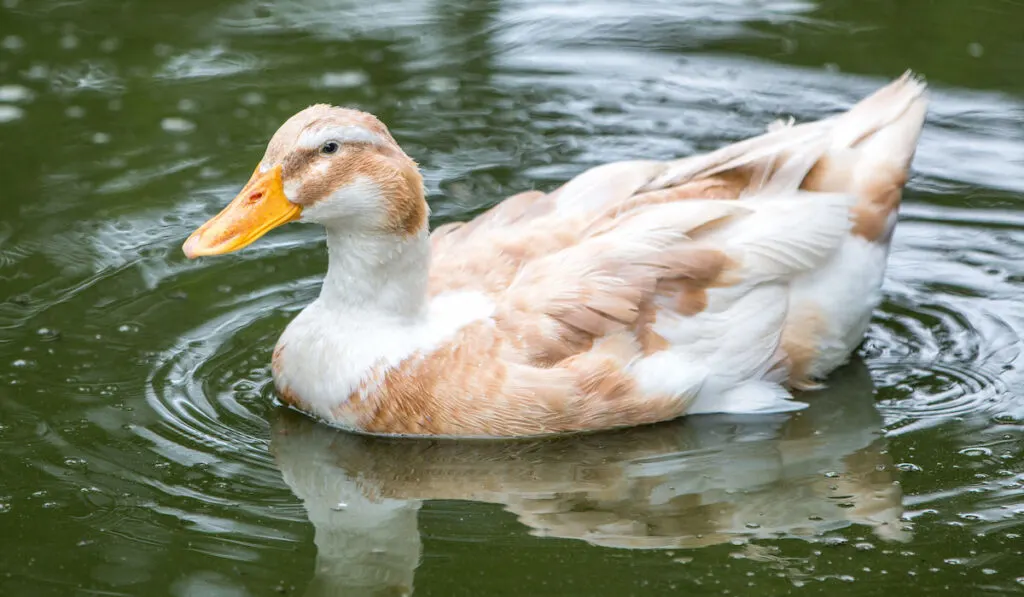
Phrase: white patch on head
pixel 291 190
pixel 313 139
pixel 359 204
pixel 264 167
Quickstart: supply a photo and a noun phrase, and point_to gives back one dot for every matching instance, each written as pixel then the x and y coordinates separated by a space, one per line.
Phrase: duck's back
pixel 721 278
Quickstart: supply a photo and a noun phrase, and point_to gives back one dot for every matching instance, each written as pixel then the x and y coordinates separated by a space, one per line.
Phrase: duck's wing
pixel 655 260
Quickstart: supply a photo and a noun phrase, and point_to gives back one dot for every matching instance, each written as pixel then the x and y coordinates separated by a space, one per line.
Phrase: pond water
pixel 142 452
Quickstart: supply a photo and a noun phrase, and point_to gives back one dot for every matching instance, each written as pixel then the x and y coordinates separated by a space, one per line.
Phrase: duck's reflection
pixel 695 482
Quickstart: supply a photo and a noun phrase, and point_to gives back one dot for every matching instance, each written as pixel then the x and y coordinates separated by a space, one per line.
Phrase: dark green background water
pixel 140 449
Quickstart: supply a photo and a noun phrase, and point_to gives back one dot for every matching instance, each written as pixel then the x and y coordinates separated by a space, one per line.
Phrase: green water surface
pixel 142 453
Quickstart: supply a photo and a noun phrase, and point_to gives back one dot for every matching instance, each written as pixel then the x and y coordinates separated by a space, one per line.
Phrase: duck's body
pixel 636 293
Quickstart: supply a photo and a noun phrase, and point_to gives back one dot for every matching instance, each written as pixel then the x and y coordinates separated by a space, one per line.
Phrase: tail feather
pixel 884 127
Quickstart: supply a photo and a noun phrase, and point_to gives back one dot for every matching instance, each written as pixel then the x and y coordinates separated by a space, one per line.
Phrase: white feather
pixel 315 138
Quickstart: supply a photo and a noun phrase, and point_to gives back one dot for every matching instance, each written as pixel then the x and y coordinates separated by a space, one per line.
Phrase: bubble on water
pixel 177 125
pixel 48 333
pixel 74 111
pixel 110 44
pixel 10 113
pixel 909 467
pixel 69 41
pixel 100 138
pixel 75 462
pixel 187 105
pixel 976 452
pixel 975 50
pixel 344 80
pixel 5 507
pixel 15 93
pixel 864 546
pixel 128 328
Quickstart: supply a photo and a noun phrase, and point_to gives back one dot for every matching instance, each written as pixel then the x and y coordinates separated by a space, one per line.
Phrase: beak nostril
pixel 255 196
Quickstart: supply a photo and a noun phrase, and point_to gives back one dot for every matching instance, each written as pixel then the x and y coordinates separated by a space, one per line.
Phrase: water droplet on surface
pixel 10 113
pixel 832 475
pixel 12 43
pixel 909 467
pixel 344 80
pixel 976 452
pixel 48 333
pixel 864 546
pixel 253 98
pixel 129 328
pixel 177 125
pixel 14 93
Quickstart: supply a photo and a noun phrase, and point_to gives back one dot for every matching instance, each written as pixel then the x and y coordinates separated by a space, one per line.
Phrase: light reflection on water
pixel 137 410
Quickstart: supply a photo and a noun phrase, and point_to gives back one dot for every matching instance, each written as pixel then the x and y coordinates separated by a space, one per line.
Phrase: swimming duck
pixel 637 292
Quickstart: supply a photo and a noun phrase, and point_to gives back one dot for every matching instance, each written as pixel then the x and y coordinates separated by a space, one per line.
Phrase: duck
pixel 637 292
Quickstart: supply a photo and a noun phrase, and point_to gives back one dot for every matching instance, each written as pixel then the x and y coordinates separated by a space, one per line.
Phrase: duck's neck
pixel 377 276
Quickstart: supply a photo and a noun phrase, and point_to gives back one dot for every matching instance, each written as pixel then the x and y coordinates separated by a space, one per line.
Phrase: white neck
pixel 376 275
pixel 372 312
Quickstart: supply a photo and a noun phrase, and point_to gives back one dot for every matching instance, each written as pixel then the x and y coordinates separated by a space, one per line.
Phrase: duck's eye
pixel 329 148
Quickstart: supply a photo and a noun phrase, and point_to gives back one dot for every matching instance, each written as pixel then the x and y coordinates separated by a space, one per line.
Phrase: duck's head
pixel 334 166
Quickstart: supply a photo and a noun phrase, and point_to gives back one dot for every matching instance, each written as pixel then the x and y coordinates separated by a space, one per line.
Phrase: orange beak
pixel 260 207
